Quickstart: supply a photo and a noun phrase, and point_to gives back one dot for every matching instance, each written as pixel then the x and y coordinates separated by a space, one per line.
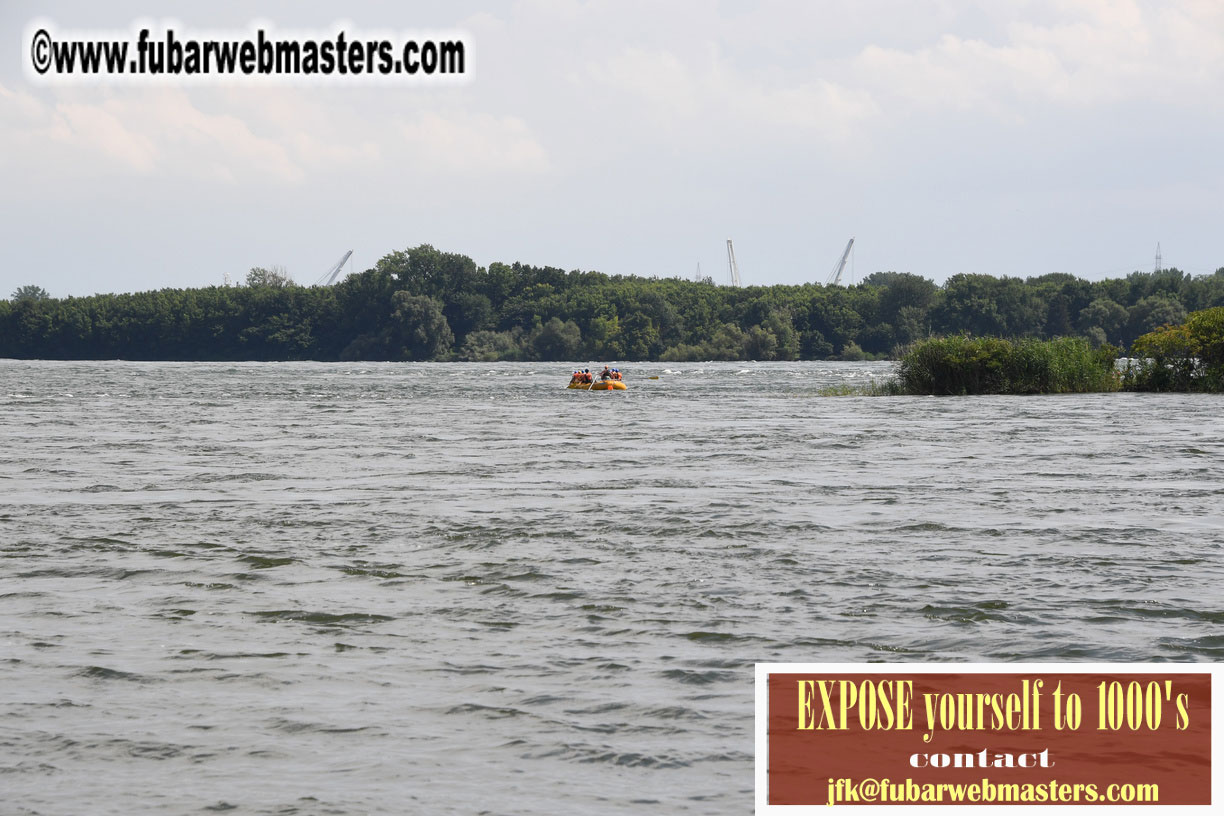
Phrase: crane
pixel 331 274
pixel 835 278
pixel 735 279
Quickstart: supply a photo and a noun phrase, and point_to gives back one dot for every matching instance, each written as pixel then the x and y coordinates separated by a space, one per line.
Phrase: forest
pixel 425 304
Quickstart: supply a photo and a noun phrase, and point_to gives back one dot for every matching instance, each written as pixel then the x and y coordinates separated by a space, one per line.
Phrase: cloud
pixel 221 142
pixel 673 92
pixel 18 108
pixel 960 74
pixel 26 126
pixel 470 144
pixel 680 122
pixel 103 129
pixel 284 137
pixel 1093 53
pixel 143 132
pixel 319 128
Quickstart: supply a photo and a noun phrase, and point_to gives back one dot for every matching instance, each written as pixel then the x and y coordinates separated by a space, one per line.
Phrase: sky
pixel 1015 137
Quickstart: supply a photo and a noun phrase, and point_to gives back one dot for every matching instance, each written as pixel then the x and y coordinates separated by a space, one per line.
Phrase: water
pixel 461 588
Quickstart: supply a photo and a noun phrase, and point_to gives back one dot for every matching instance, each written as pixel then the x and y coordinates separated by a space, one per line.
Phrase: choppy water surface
pixel 337 588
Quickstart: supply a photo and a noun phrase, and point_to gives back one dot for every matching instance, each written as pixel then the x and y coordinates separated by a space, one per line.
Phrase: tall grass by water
pixel 991 365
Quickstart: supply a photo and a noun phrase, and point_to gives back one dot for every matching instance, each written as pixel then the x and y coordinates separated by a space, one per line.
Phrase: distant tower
pixel 735 278
pixel 1158 265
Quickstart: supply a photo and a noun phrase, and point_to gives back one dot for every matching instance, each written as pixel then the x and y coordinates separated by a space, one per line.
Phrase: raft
pixel 600 385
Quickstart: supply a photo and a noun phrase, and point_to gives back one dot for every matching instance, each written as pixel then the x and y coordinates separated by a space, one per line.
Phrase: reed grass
pixel 874 388
pixel 990 365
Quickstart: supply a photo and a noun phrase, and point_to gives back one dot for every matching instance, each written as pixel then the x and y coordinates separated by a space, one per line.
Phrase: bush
pixel 490 346
pixel 1189 357
pixel 684 353
pixel 852 352
pixel 1207 329
pixel 989 365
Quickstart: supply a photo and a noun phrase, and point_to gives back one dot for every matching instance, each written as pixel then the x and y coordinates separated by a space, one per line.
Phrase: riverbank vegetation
pixel 1187 357
pixel 990 365
pixel 1184 358
pixel 424 304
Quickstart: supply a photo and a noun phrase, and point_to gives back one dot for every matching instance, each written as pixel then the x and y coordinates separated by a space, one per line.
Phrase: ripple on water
pixel 394 587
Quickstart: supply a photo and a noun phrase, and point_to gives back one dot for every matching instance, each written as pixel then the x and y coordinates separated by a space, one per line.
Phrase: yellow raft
pixel 600 385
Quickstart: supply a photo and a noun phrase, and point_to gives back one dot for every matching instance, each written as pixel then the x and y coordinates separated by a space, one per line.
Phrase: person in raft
pixel 606 374
pixel 583 376
pixel 616 375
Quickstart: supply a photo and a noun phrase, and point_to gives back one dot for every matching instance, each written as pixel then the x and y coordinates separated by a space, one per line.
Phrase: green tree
pixel 604 339
pixel 970 303
pixel 467 312
pixel 418 328
pixel 901 291
pixel 1166 361
pixel 1107 315
pixel 490 346
pixel 1187 357
pixel 728 343
pixel 30 292
pixel 1152 312
pixel 762 344
pixel 274 277
pixel 557 340
pixel 1058 317
pixel 422 303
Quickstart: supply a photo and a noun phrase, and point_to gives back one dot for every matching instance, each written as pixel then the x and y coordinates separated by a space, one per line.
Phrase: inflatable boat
pixel 599 385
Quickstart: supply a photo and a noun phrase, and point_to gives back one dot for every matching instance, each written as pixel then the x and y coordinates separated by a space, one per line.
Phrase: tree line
pixel 424 304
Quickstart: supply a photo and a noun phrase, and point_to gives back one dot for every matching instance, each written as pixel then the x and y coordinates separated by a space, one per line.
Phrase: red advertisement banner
pixel 1022 738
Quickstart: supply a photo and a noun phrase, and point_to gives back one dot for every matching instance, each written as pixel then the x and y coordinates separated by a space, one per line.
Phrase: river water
pixel 461 588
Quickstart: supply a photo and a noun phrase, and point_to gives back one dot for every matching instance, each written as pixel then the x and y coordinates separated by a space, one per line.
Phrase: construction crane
pixel 331 274
pixel 835 278
pixel 735 279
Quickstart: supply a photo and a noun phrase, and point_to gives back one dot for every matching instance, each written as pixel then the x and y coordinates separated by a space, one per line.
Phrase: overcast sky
pixel 1009 137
